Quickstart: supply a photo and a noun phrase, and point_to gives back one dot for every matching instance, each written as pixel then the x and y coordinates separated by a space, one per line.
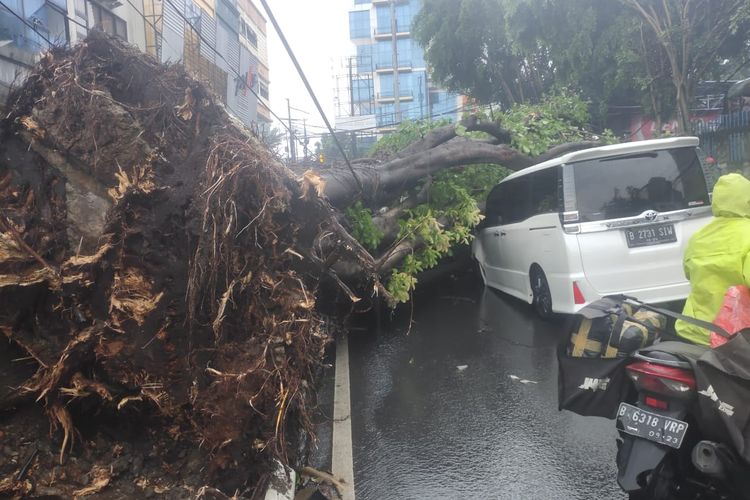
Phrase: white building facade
pixel 221 42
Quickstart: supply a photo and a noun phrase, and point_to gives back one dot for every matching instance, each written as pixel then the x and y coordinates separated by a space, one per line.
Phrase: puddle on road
pixel 425 428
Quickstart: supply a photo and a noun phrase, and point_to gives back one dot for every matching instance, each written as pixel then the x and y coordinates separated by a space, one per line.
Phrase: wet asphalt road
pixel 424 428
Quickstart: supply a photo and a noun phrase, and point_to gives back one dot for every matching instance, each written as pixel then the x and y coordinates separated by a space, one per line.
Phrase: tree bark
pixel 385 181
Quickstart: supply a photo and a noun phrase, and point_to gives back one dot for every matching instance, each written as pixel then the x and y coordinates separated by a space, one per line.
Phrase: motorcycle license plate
pixel 644 236
pixel 652 426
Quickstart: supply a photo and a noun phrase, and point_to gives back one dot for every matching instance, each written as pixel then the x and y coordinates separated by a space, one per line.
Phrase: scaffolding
pixel 153 14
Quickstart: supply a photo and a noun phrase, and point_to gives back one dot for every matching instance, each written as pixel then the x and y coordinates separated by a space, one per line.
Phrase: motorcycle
pixel 665 449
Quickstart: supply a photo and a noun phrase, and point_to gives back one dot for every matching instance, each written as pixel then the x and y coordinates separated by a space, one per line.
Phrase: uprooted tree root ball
pixel 159 271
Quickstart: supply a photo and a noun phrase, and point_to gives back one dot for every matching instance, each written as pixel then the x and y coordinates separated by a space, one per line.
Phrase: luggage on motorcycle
pixel 591 377
pixel 592 387
pixel 611 327
pixel 723 379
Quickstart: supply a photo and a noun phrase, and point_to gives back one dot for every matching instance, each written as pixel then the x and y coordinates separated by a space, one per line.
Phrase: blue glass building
pixel 373 77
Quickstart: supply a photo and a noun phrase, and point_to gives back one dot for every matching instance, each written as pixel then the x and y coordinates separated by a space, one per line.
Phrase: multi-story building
pixel 388 81
pixel 222 42
pixel 30 27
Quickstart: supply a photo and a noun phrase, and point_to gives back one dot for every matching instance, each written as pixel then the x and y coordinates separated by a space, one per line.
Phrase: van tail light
pixel 662 380
pixel 578 297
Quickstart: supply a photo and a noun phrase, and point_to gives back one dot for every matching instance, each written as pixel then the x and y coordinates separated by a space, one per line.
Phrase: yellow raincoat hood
pixel 718 256
pixel 731 196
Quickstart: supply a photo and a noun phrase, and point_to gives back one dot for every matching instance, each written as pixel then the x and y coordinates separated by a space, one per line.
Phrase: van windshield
pixel 628 185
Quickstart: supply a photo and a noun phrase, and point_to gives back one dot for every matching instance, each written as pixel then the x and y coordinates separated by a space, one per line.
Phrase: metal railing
pixel 728 137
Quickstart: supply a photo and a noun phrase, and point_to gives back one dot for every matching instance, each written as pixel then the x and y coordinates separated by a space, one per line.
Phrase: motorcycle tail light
pixel 660 379
pixel 656 403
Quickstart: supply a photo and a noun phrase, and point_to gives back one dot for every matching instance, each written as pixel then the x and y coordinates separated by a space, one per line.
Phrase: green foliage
pixel 449 217
pixel 446 221
pixel 363 228
pixel 556 119
pixel 513 51
pixel 407 132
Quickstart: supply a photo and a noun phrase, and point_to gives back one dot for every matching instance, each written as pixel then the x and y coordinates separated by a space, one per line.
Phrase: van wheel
pixel 542 296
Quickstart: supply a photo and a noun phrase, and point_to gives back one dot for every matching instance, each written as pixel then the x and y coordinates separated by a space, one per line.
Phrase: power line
pixel 27 24
pixel 310 91
pixel 200 35
pixel 395 124
pixel 206 42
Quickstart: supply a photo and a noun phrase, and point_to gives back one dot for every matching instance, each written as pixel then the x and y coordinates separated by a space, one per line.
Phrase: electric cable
pixel 202 38
pixel 310 91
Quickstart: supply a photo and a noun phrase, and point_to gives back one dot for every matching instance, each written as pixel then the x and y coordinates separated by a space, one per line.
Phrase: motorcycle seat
pixel 671 352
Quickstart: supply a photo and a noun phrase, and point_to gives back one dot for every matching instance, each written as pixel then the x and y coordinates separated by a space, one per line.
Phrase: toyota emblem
pixel 650 215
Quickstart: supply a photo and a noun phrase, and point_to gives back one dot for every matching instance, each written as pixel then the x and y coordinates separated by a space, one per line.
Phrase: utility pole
pixel 292 154
pixel 394 47
pixel 304 131
pixel 421 98
pixel 351 106
pixel 351 88
pixel 427 95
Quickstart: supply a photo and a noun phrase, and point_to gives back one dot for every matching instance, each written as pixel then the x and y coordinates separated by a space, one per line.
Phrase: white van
pixel 602 221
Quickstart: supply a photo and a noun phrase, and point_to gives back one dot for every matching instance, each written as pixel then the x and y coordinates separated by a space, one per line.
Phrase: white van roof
pixel 609 150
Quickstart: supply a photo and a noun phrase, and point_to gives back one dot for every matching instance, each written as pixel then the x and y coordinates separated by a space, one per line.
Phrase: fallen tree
pixel 162 273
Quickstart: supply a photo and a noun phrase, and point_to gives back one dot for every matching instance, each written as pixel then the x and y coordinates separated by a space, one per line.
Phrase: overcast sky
pixel 318 32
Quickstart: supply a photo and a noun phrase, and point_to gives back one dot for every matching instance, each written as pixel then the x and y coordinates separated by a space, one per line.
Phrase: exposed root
pixel 159 264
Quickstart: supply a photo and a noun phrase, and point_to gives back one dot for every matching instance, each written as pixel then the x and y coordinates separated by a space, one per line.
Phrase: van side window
pixel 514 205
pixel 545 196
pixel 494 205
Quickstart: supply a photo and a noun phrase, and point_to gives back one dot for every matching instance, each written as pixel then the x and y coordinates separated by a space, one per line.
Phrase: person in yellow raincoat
pixel 718 256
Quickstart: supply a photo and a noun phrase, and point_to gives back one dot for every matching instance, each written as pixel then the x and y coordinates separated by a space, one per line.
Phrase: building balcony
pixel 387 67
pixel 385 33
pixel 386 97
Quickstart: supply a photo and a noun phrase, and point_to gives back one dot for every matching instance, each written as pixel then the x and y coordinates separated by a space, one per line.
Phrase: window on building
pixel 383 55
pixel 263 89
pixel 364 59
pixel 403 18
pixel 49 20
pixel 248 33
pixel 403 46
pixel 359 24
pixel 386 85
pixel 417 55
pixel 383 15
pixel 80 8
pixel 108 22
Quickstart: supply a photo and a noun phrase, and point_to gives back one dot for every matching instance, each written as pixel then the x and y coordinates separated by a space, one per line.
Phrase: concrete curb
pixel 342 460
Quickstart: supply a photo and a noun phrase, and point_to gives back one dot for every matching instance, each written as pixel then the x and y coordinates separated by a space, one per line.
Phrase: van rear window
pixel 628 185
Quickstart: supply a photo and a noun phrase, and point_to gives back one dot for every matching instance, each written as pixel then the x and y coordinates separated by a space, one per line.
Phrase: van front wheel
pixel 542 296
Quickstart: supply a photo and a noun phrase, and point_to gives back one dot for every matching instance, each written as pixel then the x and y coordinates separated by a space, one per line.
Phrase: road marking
pixel 342 462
